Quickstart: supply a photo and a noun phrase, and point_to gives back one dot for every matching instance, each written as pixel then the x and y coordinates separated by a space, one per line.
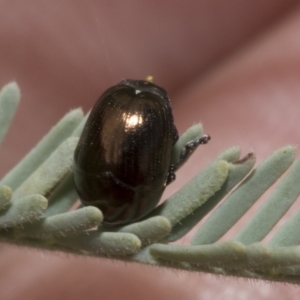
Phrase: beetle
pixel 122 163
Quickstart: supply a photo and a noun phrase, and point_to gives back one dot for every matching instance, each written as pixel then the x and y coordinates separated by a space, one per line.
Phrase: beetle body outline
pixel 123 158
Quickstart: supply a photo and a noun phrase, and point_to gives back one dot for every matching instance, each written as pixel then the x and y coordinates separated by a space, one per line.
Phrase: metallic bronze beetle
pixel 123 158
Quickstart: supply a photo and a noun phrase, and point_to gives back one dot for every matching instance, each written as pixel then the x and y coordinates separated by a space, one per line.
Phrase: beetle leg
pixel 175 135
pixel 188 150
pixel 171 175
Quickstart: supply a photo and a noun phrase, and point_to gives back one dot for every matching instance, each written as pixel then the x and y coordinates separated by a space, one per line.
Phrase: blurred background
pixel 232 65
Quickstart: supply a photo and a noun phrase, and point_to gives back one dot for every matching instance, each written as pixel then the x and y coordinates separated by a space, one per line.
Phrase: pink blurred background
pixel 233 65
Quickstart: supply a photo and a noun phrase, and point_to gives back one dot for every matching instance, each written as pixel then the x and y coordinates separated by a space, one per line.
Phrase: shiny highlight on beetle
pixel 131 121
